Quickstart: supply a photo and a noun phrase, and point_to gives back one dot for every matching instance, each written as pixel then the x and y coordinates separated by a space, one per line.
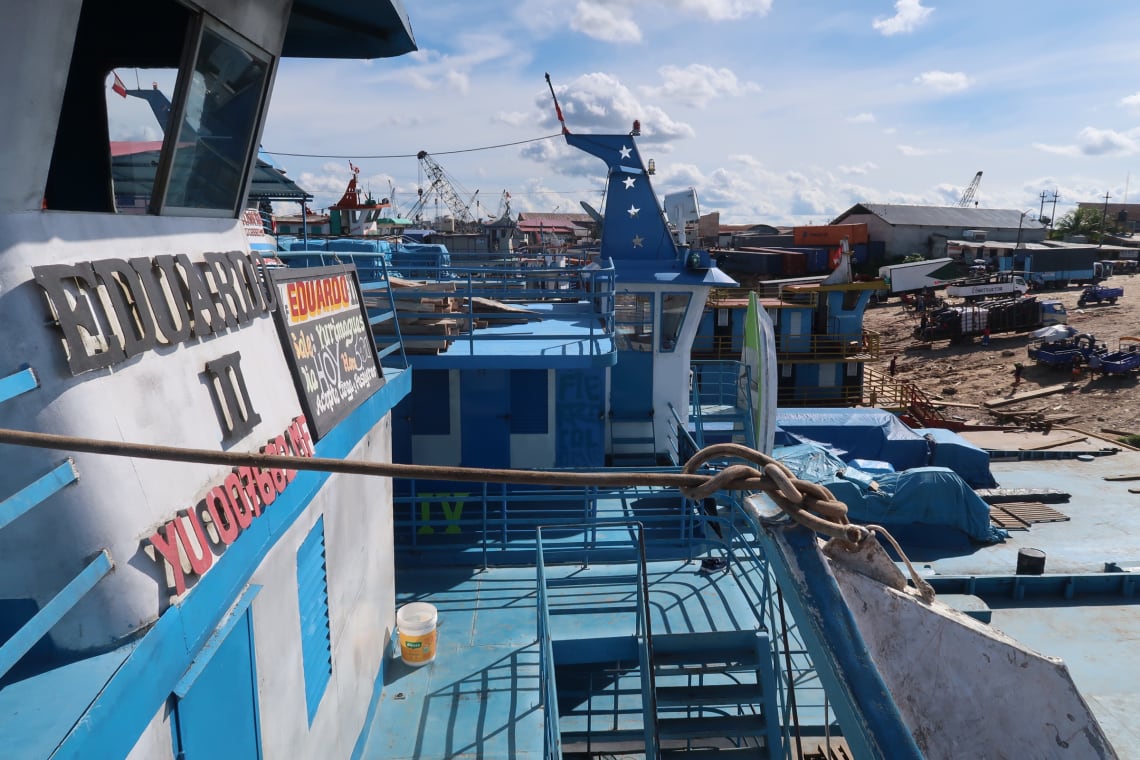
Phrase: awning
pixel 348 29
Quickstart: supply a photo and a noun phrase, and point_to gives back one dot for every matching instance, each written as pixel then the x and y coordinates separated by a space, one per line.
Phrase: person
pixel 1017 373
pixel 986 336
pixel 891 367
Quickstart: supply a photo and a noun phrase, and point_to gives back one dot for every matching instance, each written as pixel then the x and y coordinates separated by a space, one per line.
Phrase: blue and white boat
pixel 314 512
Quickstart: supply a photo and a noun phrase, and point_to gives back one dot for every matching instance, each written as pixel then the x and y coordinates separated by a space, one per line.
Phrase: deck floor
pixel 479 698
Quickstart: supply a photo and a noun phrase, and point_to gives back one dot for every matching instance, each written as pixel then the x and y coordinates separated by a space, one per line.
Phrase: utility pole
pixel 1041 210
pixel 1053 216
pixel 1103 219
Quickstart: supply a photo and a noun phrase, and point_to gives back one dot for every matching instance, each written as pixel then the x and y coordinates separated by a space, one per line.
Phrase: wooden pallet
pixel 1020 515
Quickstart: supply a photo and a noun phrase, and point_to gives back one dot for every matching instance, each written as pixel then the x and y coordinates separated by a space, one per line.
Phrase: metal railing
pixel 862 346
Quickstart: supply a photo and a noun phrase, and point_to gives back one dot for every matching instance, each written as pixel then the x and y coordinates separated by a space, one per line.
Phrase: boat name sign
pixel 112 309
pixel 186 543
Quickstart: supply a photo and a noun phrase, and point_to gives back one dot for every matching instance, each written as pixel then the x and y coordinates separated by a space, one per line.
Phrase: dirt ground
pixel 971 374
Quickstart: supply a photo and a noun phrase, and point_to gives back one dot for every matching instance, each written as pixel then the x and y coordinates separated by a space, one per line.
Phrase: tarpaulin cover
pixel 879 435
pixel 929 496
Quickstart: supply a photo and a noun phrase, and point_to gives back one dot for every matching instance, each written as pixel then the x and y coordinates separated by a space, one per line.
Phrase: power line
pixel 411 155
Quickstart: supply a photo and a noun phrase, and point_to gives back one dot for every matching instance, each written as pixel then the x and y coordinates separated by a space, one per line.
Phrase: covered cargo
pixel 1008 315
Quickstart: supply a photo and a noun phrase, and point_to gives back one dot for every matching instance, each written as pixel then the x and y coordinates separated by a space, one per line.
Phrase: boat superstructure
pixel 138 595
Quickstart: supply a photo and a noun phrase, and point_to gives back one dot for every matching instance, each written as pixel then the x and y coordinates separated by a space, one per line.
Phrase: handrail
pixel 548 688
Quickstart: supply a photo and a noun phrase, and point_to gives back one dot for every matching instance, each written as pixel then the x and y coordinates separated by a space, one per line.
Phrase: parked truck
pixel 917 276
pixel 958 323
pixel 988 286
pixel 1054 267
pixel 1098 293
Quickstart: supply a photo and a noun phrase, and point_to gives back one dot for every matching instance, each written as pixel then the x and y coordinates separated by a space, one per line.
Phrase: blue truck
pixel 1045 268
pixel 1065 353
pixel 1099 293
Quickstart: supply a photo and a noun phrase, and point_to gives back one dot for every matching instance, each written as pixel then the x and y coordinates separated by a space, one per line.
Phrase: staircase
pixel 619 688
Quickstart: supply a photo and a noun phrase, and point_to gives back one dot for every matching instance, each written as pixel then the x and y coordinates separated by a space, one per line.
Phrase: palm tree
pixel 1081 221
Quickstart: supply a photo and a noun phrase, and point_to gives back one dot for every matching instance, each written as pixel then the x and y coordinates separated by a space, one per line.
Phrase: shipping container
pixel 795 264
pixel 750 262
pixel 830 234
pixel 818 260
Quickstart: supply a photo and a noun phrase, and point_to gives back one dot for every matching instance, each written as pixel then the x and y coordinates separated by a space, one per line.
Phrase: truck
pixel 1098 293
pixel 1120 362
pixel 917 276
pixel 1065 353
pixel 988 286
pixel 1054 267
pixel 959 323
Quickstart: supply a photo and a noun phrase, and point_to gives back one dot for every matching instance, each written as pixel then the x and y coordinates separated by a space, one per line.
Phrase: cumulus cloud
pixel 911 151
pixel 614 20
pixel 599 102
pixel 944 81
pixel 1131 101
pixel 909 15
pixel 862 118
pixel 1095 142
pixel 697 84
pixel 864 168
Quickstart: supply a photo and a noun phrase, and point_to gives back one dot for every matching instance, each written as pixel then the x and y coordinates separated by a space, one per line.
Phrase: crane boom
pixel 441 185
pixel 969 194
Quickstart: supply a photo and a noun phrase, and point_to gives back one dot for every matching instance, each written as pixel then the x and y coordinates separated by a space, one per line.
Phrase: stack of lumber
pixel 430 319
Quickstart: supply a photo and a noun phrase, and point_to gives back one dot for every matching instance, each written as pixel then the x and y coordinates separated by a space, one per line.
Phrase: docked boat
pixel 234 526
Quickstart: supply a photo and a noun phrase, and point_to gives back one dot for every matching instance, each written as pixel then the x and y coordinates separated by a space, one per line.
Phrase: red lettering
pixel 280 478
pixel 167 546
pixel 249 482
pixel 299 432
pixel 222 515
pixel 198 551
pixel 283 449
pixel 265 486
pixel 238 496
pixel 238 508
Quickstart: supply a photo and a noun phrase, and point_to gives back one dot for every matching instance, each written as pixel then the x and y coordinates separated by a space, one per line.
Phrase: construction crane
pixel 969 194
pixel 445 188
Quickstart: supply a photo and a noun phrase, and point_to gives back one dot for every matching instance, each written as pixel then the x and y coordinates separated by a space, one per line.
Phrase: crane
pixel 969 194
pixel 444 187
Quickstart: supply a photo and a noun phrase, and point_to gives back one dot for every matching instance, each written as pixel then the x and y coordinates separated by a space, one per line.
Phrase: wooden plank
pixel 1112 431
pixel 955 404
pixel 1055 444
pixel 1121 477
pixel 1047 391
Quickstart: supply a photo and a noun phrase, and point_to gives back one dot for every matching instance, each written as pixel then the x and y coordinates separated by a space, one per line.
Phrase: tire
pixel 1112 300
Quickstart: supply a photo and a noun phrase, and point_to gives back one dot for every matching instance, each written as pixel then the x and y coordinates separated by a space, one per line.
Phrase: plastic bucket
pixel 416 624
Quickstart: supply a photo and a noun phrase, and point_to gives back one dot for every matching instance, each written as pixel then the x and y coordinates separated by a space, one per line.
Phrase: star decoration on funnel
pixel 633 211
pixel 625 151
pixel 628 182
pixel 637 241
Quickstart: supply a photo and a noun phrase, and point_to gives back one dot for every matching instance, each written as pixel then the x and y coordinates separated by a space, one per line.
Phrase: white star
pixel 633 211
pixel 625 151
pixel 628 182
pixel 637 241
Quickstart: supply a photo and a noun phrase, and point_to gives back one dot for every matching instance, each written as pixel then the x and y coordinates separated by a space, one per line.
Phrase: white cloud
pixel 605 22
pixel 864 168
pixel 944 81
pixel 862 118
pixel 1131 101
pixel 912 152
pixel 599 102
pixel 514 118
pixel 697 84
pixel 909 15
pixel 1105 142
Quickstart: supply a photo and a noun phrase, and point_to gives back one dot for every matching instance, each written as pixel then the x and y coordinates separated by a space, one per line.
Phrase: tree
pixel 1081 221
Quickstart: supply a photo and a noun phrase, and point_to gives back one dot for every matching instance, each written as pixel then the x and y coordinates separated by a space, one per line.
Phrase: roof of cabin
pixel 348 29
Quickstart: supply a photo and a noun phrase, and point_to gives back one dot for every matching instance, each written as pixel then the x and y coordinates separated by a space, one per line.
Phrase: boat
pixel 158 607
pixel 306 511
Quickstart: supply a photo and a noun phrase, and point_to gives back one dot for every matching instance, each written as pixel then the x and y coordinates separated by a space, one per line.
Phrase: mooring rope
pixel 809 504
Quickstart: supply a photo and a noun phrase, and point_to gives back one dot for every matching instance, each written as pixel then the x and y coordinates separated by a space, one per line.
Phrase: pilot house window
pixel 160 115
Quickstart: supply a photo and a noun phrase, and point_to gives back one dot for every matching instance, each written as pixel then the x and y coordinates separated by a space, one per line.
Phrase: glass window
pixel 633 319
pixel 218 124
pixel 673 308
pixel 137 118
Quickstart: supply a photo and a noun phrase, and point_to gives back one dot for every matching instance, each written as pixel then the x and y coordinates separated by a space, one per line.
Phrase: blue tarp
pixel 921 496
pixel 875 434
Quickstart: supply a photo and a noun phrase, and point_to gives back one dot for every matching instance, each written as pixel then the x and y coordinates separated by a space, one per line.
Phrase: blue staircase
pixel 619 688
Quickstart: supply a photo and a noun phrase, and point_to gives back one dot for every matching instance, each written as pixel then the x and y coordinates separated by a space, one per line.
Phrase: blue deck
pixel 480 696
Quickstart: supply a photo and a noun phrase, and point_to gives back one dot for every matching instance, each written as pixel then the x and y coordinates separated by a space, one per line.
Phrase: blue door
pixel 217 716
pixel 485 411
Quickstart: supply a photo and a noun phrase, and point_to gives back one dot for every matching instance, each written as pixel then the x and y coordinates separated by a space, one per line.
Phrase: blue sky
pixel 775 111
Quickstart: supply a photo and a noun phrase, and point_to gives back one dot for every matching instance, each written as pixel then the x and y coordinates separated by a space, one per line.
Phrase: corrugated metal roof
pixel 941 216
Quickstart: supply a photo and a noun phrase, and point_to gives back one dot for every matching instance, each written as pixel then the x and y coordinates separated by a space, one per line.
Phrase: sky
pixel 775 111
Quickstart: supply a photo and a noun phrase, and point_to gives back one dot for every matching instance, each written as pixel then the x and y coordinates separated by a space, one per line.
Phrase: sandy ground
pixel 973 374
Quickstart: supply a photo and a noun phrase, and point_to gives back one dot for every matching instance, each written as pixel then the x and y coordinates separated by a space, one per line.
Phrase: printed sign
pixel 328 342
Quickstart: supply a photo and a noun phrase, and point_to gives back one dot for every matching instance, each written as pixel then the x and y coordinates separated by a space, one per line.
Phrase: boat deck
pixel 1083 608
pixel 480 696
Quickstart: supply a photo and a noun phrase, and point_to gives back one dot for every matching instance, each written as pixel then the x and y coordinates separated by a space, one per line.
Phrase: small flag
pixel 118 87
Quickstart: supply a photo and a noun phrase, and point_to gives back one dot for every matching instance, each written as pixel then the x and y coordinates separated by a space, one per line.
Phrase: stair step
pixel 717 753
pixel 712 726
pixel 601 742
pixel 600 609
pixel 593 580
pixel 710 695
